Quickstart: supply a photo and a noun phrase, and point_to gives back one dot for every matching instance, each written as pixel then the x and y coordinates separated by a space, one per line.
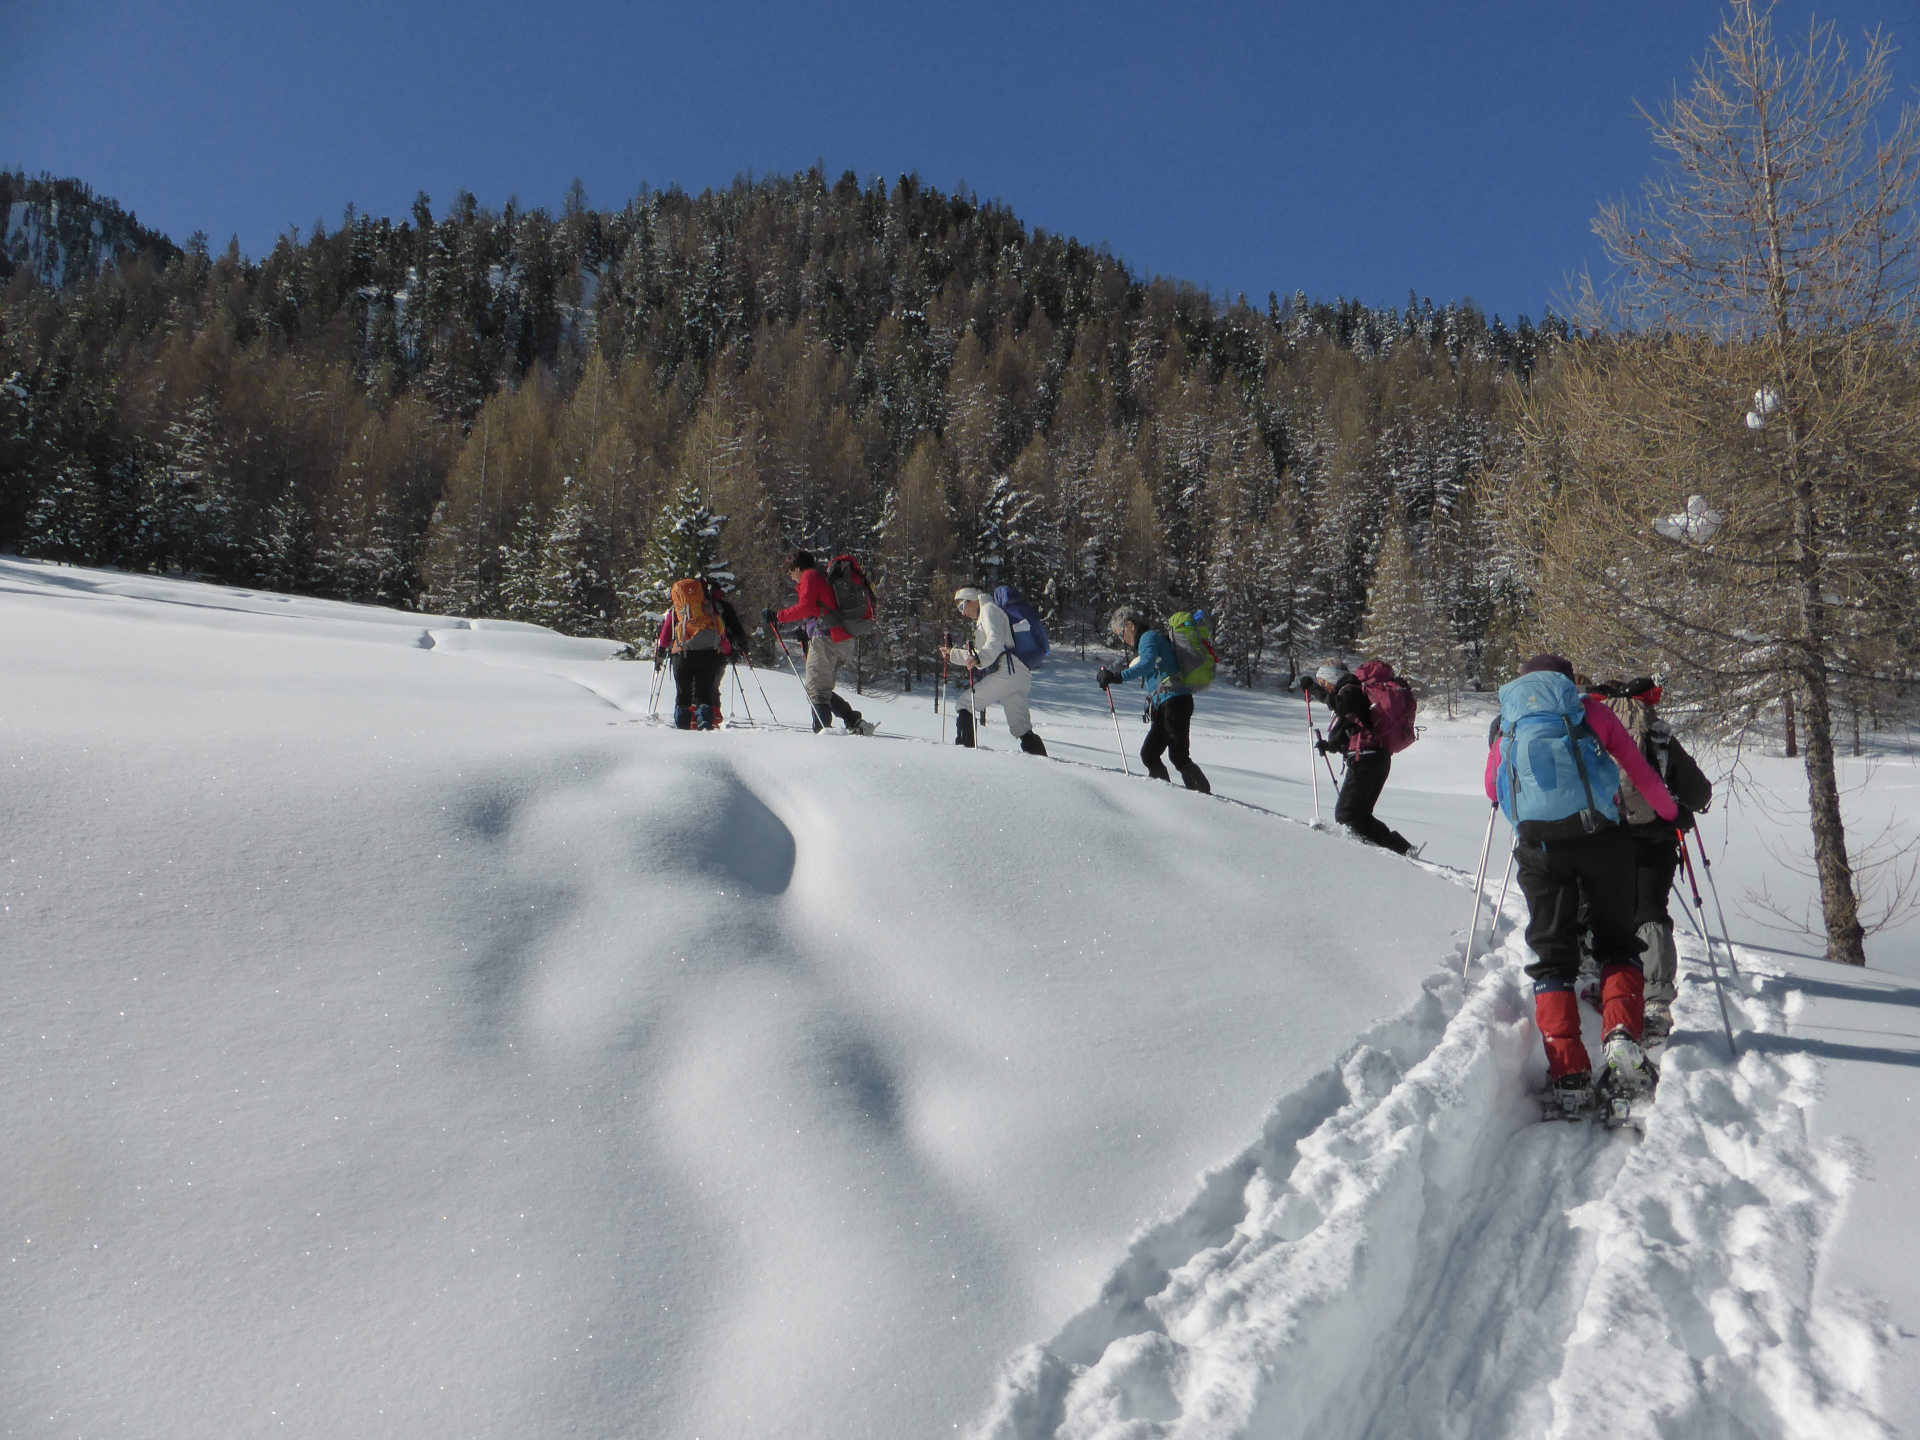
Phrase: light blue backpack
pixel 1556 779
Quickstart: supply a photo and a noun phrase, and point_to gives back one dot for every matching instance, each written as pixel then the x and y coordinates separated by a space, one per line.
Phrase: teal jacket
pixel 1158 663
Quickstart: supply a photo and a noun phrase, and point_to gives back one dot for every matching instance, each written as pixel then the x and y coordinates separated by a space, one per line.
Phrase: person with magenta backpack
pixel 1372 721
pixel 1555 767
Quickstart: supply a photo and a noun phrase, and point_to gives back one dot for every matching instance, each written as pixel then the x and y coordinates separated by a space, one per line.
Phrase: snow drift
pixel 406 1038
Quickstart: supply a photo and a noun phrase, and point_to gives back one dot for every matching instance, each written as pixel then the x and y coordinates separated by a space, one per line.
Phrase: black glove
pixel 1323 747
pixel 772 617
pixel 659 658
pixel 1106 677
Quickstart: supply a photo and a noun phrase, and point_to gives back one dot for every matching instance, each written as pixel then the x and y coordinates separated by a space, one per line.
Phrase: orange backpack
pixel 695 626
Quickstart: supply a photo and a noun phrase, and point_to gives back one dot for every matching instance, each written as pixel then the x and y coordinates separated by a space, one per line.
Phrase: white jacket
pixel 993 636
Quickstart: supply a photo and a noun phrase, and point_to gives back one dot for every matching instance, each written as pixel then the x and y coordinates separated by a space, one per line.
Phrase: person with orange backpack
pixel 697 633
pixel 836 607
pixel 1372 722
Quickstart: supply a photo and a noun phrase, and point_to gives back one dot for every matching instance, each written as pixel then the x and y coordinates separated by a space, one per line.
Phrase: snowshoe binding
pixel 1624 1090
pixel 1569 1097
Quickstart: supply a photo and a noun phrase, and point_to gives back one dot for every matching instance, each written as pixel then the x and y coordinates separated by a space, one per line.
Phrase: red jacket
pixel 1619 744
pixel 817 599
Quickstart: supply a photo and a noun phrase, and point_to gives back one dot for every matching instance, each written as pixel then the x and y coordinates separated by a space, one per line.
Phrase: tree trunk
pixel 1793 733
pixel 1846 938
pixel 1839 907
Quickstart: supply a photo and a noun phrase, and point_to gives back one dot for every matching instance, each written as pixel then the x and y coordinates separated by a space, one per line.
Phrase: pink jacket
pixel 1619 744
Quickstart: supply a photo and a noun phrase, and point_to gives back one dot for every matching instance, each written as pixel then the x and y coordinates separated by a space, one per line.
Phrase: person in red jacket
pixel 1555 874
pixel 828 645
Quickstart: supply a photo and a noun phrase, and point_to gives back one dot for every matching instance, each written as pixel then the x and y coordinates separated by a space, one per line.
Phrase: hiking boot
pixel 857 726
pixel 1569 1097
pixel 1659 1022
pixel 1625 1069
pixel 1030 744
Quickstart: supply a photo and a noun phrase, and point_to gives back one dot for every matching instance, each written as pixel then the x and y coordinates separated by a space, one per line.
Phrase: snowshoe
pixel 863 727
pixel 1624 1091
pixel 1570 1097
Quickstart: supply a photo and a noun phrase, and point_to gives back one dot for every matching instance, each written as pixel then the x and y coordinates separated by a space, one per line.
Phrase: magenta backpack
pixel 1392 702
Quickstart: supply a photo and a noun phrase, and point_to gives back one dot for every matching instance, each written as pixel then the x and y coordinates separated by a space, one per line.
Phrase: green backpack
pixel 1193 646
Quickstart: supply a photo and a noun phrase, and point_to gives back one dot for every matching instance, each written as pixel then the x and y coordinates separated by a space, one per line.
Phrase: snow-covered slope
pixel 406 1037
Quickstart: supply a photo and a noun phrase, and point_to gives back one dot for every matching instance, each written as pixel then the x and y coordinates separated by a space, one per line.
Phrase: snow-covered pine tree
pixel 685 544
pixel 65 519
pixel 558 574
pixel 187 515
pixel 1400 626
pixel 915 537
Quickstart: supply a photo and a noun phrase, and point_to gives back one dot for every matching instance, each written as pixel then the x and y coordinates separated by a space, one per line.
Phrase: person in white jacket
pixel 997 675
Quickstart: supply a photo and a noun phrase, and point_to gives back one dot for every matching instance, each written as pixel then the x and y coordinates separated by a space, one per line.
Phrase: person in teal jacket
pixel 1169 702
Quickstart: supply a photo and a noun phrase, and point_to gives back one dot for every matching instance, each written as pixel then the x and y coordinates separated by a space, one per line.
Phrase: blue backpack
pixel 1556 779
pixel 1029 635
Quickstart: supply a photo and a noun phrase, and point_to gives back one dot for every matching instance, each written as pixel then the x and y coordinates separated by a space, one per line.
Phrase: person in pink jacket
pixel 1561 860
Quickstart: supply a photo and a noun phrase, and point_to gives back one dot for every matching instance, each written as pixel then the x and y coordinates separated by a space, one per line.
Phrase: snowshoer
pixel 694 632
pixel 1368 759
pixel 999 676
pixel 1555 767
pixel 1656 843
pixel 1169 700
pixel 829 643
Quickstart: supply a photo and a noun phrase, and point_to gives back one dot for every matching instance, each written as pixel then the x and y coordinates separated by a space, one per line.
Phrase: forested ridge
pixel 538 416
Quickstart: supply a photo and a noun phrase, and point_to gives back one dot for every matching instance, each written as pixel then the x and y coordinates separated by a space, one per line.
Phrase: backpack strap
pixel 1587 820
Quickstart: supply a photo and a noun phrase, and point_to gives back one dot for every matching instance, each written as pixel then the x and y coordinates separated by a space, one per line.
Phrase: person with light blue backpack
pixel 1554 767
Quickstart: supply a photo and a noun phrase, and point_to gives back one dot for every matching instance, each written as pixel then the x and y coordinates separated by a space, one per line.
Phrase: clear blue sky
pixel 1339 146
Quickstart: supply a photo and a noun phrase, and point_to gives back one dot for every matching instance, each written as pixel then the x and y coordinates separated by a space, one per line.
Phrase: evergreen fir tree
pixel 685 545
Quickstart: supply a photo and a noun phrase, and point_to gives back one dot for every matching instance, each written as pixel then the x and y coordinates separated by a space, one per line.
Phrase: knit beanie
pixel 1548 662
pixel 1331 675
pixel 969 592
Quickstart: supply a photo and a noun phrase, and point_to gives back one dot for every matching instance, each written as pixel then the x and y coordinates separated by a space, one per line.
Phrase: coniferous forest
pixel 548 417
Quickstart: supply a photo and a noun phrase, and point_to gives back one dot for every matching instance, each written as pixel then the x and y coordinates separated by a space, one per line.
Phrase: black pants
pixel 696 687
pixel 1558 879
pixel 1366 777
pixel 1172 723
pixel 1656 858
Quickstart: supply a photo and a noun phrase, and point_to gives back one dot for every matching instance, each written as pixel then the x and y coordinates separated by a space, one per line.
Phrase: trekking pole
pixel 1506 880
pixel 781 641
pixel 972 703
pixel 1118 742
pixel 940 685
pixel 1313 775
pixel 1318 741
pixel 653 700
pixel 1479 888
pixel 751 670
pixel 1726 935
pixel 733 669
pixel 1700 927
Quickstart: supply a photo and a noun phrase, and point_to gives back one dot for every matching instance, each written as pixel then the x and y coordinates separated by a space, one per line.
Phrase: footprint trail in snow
pixel 1409 1251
